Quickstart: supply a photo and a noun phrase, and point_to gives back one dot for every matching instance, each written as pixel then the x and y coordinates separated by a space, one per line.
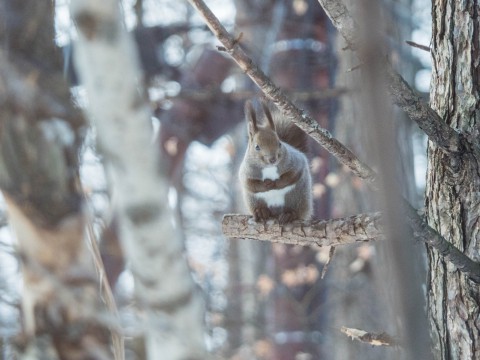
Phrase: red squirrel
pixel 275 174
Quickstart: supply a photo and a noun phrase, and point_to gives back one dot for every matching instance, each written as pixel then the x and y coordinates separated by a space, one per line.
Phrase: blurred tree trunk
pixel 358 296
pixel 453 182
pixel 40 136
pixel 301 59
pixel 172 310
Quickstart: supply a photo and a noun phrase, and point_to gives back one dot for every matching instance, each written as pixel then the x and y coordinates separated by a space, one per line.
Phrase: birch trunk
pixel 108 67
pixel 453 182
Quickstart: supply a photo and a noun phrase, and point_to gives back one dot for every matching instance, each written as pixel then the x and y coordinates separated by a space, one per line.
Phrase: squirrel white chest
pixel 274 197
pixel 270 172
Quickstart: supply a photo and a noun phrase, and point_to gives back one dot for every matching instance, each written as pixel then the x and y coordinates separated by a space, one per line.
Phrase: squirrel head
pixel 263 141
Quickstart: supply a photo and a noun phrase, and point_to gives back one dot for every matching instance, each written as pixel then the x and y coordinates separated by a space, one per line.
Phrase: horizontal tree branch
pixel 345 231
pixel 333 232
pixel 298 116
pixel 437 130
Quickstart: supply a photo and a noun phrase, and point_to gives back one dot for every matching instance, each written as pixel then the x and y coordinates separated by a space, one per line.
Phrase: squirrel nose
pixel 273 160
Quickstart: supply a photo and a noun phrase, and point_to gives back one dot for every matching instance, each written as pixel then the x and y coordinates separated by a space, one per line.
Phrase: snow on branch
pixel 298 116
pixel 402 94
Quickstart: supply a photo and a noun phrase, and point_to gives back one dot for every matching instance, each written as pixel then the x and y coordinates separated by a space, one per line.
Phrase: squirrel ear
pixel 268 114
pixel 251 118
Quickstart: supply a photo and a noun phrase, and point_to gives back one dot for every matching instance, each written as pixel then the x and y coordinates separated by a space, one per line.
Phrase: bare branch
pixel 334 232
pixel 345 231
pixel 402 94
pixel 418 46
pixel 118 343
pixel 431 237
pixel 331 253
pixel 374 339
pixel 298 116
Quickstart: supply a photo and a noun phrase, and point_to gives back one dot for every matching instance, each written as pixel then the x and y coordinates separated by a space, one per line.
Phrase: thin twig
pixel 418 46
pixel 356 67
pixel 105 289
pixel 107 295
pixel 331 253
pixel 298 116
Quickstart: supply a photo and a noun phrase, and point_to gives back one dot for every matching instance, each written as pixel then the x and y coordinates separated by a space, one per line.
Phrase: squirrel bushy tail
pixel 286 130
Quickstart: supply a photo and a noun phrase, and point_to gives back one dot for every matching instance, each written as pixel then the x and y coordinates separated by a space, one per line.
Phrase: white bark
pixel 108 68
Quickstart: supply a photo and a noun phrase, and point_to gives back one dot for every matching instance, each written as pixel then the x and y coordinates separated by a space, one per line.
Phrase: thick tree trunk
pixel 453 182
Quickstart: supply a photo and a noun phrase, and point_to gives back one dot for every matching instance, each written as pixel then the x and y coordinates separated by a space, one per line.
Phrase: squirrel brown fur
pixel 275 174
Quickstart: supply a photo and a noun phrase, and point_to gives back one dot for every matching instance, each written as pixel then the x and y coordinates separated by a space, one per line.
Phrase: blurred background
pixel 263 301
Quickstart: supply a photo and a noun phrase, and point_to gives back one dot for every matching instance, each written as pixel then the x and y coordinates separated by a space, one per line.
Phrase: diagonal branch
pixel 402 94
pixel 298 116
pixel 431 237
pixel 345 231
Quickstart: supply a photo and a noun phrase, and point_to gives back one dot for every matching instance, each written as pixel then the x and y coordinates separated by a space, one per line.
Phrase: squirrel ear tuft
pixel 251 117
pixel 268 114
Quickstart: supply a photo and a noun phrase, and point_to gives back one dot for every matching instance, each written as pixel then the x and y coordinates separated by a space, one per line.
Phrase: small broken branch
pixel 402 94
pixel 331 253
pixel 418 46
pixel 298 116
pixel 374 339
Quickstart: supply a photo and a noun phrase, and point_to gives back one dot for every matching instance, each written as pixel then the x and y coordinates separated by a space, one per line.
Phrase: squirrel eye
pixel 279 144
pixel 257 147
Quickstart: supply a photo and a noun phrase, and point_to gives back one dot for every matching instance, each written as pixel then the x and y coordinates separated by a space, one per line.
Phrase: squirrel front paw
pixel 269 184
pixel 287 216
pixel 262 213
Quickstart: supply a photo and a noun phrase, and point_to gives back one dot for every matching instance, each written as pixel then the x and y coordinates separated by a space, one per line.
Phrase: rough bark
pixel 453 183
pixel 40 135
pixel 334 232
pixel 108 68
